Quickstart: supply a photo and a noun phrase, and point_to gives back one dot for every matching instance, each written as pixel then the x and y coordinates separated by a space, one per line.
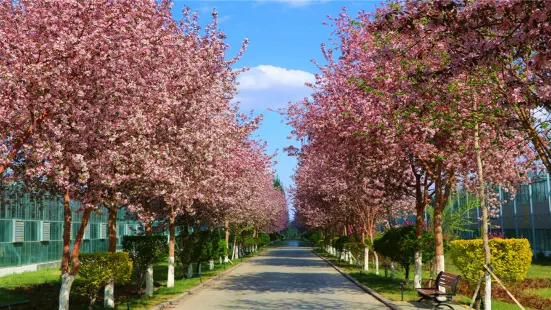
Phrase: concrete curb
pixel 366 289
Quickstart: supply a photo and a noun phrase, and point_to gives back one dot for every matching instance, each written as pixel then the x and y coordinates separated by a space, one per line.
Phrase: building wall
pixel 526 215
pixel 24 223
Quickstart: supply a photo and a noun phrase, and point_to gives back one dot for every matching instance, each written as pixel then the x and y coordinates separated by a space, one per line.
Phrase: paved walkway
pixel 286 277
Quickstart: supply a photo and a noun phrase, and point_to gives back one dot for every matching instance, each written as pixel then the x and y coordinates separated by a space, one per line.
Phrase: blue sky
pixel 284 36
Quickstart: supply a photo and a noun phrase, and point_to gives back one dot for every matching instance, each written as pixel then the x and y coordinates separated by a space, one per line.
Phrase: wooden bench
pixel 444 280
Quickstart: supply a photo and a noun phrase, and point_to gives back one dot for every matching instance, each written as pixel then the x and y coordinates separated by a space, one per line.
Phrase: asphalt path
pixel 286 277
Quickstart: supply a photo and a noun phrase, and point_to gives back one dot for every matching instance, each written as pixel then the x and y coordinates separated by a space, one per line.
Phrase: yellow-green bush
pixel 511 258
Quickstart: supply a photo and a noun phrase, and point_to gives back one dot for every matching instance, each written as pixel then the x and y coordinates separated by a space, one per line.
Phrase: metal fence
pixel 31 230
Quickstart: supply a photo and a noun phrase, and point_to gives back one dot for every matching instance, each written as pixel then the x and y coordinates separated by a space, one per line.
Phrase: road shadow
pixel 290 262
pixel 289 253
pixel 293 282
pixel 301 304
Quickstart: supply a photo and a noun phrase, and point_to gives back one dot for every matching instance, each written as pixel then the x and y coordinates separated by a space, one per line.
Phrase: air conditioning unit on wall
pixel 18 234
pixel 44 231
pixel 103 231
pixel 86 232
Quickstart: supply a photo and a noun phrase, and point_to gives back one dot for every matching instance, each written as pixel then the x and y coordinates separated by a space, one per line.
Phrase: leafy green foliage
pixel 457 219
pixel 511 258
pixel 98 268
pixel 198 246
pixel 400 244
pixel 263 238
pixel 144 251
pixel 249 241
pixel 356 248
pixel 222 249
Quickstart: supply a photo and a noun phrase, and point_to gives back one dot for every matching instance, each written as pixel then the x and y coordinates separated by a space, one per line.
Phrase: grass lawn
pixel 540 269
pixel 390 288
pixel 41 288
pixel 31 278
pixel 543 292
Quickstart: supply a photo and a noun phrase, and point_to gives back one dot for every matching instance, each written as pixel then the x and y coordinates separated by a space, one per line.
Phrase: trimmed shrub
pixel 263 238
pixel 316 238
pixel 144 251
pixel 339 243
pixel 400 243
pixel 511 258
pixel 249 241
pixel 98 268
pixel 356 248
pixel 222 248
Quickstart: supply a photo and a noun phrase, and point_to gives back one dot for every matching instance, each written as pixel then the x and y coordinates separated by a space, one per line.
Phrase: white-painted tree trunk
pixel 488 291
pixel 392 270
pixel 170 280
pixel 418 270
pixel 199 269
pixel 226 259
pixel 366 259
pixel 220 260
pixel 109 295
pixel 211 264
pixel 190 271
pixel 440 264
pixel 350 258
pixel 66 283
pixel 149 281
pixel 376 262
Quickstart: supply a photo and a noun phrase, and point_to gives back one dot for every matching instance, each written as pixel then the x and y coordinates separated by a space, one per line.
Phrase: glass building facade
pixel 31 230
pixel 526 215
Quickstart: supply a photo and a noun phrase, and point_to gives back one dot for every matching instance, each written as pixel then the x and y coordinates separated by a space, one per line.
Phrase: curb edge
pixel 366 289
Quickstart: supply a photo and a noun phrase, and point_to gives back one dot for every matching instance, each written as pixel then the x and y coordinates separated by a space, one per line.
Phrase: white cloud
pixel 267 86
pixel 266 76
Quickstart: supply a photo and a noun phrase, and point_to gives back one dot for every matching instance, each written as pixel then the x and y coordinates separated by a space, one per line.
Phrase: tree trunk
pixel 437 221
pixel 149 271
pixel 68 277
pixel 421 200
pixel 376 262
pixel 227 235
pixel 109 291
pixel 484 228
pixel 439 240
pixel 234 249
pixel 392 270
pixel 366 259
pixel 418 267
pixel 67 215
pixel 66 283
pixel 172 232
pixel 211 264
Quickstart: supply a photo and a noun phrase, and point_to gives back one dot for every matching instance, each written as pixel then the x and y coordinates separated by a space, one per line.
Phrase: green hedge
pixel 98 268
pixel 511 258
pixel 144 251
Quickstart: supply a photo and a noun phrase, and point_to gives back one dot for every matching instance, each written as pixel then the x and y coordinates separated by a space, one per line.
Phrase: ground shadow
pixel 293 282
pixel 294 303
pixel 290 262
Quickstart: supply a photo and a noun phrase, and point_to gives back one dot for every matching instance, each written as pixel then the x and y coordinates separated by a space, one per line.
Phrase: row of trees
pixel 417 99
pixel 116 103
